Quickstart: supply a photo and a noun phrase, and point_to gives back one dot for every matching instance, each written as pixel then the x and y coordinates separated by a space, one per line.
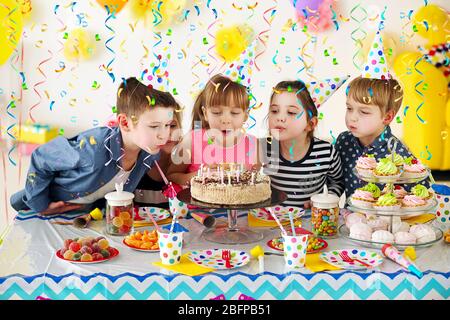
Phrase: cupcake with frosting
pixel 365 165
pixel 413 169
pixel 399 161
pixel 387 202
pixel 413 202
pixel 398 191
pixel 422 192
pixel 366 196
pixel 386 170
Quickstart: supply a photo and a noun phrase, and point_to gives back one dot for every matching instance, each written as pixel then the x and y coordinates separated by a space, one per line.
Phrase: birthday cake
pixel 230 185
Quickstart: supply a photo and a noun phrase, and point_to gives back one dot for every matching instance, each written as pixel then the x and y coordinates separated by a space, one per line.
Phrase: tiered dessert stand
pixel 402 213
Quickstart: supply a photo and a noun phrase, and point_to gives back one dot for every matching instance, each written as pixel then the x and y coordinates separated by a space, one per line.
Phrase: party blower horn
pixel 205 219
pixel 258 253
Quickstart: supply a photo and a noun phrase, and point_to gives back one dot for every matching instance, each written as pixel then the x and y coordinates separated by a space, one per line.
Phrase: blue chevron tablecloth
pixel 29 269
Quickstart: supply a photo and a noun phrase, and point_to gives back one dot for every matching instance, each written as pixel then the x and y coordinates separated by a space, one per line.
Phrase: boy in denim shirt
pixel 69 174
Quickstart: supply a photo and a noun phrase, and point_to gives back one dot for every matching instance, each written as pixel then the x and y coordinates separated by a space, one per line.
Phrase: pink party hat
pixel 376 66
pixel 320 91
pixel 241 70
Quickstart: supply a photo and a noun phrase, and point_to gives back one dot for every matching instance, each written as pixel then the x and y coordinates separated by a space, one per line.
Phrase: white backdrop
pixel 78 106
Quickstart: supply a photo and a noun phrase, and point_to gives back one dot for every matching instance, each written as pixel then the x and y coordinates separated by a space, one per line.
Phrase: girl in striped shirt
pixel 298 163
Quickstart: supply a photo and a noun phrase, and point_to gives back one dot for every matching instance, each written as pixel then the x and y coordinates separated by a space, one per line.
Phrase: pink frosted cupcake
pixel 365 165
pixel 413 169
pixel 398 191
pixel 413 202
pixel 363 199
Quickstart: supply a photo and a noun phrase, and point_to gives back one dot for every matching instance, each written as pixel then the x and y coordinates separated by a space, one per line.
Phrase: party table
pixel 29 269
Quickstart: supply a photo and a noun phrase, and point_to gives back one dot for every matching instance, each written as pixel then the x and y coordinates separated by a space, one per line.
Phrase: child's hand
pixel 60 207
pixel 307 205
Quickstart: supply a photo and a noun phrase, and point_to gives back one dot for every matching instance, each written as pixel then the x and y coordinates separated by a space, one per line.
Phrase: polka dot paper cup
pixel 178 207
pixel 443 209
pixel 170 245
pixel 295 250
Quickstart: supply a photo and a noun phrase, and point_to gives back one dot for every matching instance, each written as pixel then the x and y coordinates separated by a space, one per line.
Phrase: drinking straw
pixel 292 223
pixel 161 173
pixel 154 222
pixel 277 221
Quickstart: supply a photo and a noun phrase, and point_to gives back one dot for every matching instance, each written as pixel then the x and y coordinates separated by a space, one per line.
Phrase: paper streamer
pixel 335 22
pixel 38 84
pixel 208 30
pixel 269 25
pixel 11 105
pixel 358 35
pixel 406 36
pixel 418 91
pixel 110 16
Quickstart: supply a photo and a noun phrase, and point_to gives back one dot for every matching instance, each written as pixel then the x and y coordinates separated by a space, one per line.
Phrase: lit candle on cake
pixel 221 176
pixel 237 175
pixel 253 178
pixel 229 178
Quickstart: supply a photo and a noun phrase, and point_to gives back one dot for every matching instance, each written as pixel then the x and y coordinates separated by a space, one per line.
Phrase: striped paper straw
pixel 277 221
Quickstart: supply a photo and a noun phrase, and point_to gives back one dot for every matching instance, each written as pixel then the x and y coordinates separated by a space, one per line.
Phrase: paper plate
pixel 277 245
pixel 158 214
pixel 281 212
pixel 370 257
pixel 113 255
pixel 138 249
pixel 212 258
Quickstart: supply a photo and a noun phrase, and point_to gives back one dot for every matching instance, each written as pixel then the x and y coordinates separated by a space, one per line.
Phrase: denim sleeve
pixel 46 161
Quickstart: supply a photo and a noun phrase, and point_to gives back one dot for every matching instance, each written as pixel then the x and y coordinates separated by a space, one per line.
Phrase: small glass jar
pixel 325 214
pixel 119 212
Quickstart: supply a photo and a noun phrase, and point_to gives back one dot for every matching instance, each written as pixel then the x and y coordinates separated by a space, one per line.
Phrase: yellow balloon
pixel 432 23
pixel 424 120
pixel 159 14
pixel 389 44
pixel 26 8
pixel 79 45
pixel 11 23
pixel 232 41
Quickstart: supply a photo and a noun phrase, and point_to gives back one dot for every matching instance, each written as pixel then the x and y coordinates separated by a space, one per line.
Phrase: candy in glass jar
pixel 119 212
pixel 325 214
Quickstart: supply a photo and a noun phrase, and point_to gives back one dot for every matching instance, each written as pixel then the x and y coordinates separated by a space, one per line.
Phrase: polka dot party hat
pixel 376 65
pixel 241 70
pixel 157 74
pixel 320 91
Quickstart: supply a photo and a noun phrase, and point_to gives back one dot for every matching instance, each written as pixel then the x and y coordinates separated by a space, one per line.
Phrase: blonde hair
pixel 219 91
pixel 385 94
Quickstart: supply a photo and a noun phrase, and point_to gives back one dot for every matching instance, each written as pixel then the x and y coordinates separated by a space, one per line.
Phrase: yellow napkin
pixel 143 223
pixel 185 266
pixel 423 218
pixel 255 222
pixel 315 264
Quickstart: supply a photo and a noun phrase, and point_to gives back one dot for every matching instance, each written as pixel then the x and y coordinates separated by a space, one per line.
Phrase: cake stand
pixel 232 234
